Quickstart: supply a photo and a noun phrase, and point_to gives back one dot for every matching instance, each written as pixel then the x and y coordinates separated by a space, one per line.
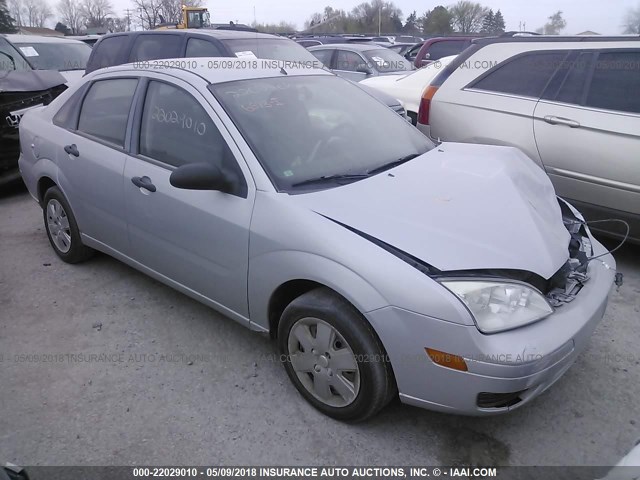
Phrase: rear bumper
pixel 527 360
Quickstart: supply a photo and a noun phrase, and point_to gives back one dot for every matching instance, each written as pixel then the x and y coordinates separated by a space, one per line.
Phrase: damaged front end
pixel 19 92
pixel 567 282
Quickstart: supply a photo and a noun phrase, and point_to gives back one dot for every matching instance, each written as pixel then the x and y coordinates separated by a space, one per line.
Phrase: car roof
pixel 17 38
pixel 220 34
pixel 515 37
pixel 265 69
pixel 355 47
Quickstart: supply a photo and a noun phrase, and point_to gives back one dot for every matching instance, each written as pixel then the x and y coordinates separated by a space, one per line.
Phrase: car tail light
pixel 425 104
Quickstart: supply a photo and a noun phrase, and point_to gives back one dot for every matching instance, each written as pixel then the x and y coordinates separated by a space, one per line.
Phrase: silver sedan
pixel 298 205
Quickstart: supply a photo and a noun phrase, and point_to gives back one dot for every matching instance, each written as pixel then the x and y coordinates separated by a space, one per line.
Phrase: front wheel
pixel 62 228
pixel 333 356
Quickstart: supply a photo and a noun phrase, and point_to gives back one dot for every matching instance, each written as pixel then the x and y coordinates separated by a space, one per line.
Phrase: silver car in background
pixel 450 275
pixel 357 61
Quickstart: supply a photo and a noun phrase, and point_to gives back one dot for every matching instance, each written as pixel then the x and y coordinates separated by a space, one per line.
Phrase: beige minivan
pixel 572 104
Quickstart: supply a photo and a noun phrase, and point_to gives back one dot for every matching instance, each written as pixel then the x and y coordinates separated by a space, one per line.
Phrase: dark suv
pixel 436 48
pixel 127 47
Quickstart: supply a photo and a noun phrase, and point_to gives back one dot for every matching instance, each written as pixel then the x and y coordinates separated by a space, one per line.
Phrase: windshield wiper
pixel 392 164
pixel 349 177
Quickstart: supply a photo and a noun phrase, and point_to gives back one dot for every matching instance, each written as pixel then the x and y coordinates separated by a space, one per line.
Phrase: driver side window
pixel 177 130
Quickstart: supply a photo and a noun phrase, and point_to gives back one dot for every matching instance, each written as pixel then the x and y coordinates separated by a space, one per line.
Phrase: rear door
pixel 587 129
pixel 91 159
pixel 350 65
pixel 199 239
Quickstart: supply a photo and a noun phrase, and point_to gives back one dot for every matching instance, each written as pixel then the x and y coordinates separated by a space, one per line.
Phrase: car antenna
pixel 283 71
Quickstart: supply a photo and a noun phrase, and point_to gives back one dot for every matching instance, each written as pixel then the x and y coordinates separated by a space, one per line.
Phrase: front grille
pixel 498 400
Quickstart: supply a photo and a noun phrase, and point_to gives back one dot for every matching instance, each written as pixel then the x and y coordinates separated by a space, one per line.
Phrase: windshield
pixel 273 49
pixel 10 59
pixel 385 60
pixel 307 127
pixel 56 56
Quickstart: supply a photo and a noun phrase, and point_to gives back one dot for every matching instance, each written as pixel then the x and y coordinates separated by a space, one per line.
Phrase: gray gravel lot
pixel 235 405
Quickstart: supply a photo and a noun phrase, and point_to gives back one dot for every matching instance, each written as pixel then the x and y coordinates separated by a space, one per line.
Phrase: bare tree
pixel 631 21
pixel 71 15
pixel 467 16
pixel 115 24
pixel 36 13
pixel 16 11
pixel 554 26
pixel 153 12
pixel 96 12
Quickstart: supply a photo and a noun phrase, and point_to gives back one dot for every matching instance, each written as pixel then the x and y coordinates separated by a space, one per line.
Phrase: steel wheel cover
pixel 324 362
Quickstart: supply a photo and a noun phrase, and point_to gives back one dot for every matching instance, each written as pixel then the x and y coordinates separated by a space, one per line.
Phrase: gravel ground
pixel 174 382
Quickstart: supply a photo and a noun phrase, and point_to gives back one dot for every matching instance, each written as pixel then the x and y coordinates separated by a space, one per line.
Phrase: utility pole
pixel 128 12
pixel 379 18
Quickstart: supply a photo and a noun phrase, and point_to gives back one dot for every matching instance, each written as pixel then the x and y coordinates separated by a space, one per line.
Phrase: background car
pixel 401 48
pixel 408 88
pixel 359 61
pixel 277 199
pixel 67 56
pixel 21 88
pixel 436 48
pixel 567 102
pixel 139 47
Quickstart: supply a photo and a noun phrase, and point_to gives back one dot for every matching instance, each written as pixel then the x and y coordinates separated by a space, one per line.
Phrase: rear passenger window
pixel 108 52
pixel 197 47
pixel 324 56
pixel 177 130
pixel 526 75
pixel 615 82
pixel 439 50
pixel 155 46
pixel 105 109
pixel 568 83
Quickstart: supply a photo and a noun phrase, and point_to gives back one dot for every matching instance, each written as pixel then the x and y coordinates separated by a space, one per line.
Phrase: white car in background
pixel 408 88
pixel 67 56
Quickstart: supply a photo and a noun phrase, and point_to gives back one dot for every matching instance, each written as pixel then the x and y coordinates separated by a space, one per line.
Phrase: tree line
pixel 76 16
pixel 465 16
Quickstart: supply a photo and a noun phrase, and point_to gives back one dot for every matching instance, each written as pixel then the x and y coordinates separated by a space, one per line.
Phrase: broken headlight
pixel 498 305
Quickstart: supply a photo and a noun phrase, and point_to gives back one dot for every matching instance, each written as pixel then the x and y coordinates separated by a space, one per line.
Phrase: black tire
pixel 77 251
pixel 376 381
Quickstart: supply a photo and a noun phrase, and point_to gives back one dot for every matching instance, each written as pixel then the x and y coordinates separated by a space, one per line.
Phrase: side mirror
pixel 364 69
pixel 199 176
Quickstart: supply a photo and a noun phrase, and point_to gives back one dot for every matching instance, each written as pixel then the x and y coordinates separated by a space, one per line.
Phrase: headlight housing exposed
pixel 500 305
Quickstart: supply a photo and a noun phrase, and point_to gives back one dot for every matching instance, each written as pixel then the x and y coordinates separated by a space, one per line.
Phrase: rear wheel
pixel 333 356
pixel 62 228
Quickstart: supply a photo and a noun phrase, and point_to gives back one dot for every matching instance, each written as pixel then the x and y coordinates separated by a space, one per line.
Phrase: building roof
pixel 588 32
pixel 48 32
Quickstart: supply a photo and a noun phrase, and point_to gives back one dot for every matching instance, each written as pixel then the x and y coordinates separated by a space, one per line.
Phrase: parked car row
pixel 72 58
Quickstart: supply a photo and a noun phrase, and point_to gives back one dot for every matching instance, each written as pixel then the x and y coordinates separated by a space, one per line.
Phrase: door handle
pixel 144 182
pixel 553 120
pixel 72 150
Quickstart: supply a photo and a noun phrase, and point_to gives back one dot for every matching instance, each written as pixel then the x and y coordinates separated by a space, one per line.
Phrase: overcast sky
pixel 600 16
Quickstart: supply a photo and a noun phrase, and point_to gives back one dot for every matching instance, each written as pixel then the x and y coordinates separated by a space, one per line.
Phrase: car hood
pixel 72 76
pixel 457 207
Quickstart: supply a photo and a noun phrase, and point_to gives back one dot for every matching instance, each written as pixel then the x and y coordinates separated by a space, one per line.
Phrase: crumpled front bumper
pixel 527 360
